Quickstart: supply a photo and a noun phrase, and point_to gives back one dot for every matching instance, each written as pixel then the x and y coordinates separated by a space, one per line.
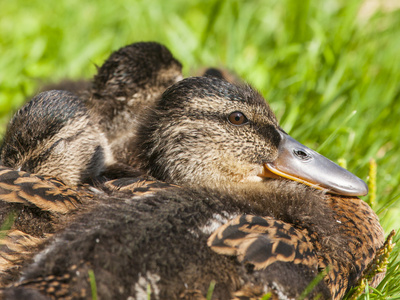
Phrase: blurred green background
pixel 330 69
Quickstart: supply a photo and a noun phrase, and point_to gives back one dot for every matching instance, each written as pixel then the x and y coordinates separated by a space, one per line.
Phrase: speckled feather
pixel 43 136
pixel 169 265
pixel 37 205
pixel 186 139
pixel 261 241
pixel 131 80
pixel 43 133
pixel 42 206
pixel 45 193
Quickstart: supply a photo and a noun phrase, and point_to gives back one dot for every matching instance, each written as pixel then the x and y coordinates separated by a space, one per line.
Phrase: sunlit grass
pixel 331 75
pixel 93 285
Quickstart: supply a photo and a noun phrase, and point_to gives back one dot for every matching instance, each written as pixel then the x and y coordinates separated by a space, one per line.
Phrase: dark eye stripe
pixel 237 118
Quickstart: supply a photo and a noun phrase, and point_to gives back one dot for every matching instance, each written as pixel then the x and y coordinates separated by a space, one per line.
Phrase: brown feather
pixel 158 238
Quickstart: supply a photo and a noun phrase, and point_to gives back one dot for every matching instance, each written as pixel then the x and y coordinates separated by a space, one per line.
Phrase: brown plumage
pixel 59 134
pixel 261 241
pixel 40 206
pixel 37 208
pixel 267 235
pixel 130 80
pixel 43 136
pixel 53 134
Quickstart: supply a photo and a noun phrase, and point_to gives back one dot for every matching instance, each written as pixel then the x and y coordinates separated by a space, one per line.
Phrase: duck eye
pixel 237 118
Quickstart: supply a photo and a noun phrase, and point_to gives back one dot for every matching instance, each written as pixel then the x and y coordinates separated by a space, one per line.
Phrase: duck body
pixel 228 221
pixel 161 241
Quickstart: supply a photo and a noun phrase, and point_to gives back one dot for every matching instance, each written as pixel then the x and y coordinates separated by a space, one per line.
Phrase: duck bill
pixel 299 163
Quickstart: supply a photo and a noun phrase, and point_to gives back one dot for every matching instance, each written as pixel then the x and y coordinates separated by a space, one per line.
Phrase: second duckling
pixel 54 134
pixel 131 80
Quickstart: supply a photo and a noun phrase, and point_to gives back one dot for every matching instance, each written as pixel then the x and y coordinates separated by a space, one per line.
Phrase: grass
pixel 6 225
pixel 93 285
pixel 331 74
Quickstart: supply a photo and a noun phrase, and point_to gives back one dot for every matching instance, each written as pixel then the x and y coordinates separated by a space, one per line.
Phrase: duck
pixel 42 136
pixel 40 170
pixel 69 135
pixel 60 140
pixel 128 82
pixel 246 210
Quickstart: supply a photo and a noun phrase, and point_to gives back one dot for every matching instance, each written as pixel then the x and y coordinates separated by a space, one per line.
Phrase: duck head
pixel 54 134
pixel 140 69
pixel 207 131
pixel 132 79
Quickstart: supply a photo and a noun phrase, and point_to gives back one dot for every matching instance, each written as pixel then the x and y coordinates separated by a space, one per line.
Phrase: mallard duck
pixel 254 212
pixel 53 134
pixel 43 135
pixel 129 81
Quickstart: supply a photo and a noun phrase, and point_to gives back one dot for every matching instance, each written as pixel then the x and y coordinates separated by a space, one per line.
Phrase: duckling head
pixel 206 132
pixel 54 134
pixel 130 80
pixel 144 67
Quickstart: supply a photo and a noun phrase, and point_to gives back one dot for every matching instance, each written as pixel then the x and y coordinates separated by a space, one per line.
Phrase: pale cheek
pixel 252 178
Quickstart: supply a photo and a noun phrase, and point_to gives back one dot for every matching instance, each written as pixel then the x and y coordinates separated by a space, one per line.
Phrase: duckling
pixel 42 149
pixel 60 135
pixel 129 81
pixel 254 213
pixel 54 134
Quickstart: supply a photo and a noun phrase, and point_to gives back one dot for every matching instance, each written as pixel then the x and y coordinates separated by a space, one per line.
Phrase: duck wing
pixel 30 207
pixel 46 193
pixel 276 250
pixel 261 241
pixel 137 186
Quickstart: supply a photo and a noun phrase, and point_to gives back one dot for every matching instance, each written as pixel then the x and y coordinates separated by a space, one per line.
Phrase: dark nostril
pixel 301 154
